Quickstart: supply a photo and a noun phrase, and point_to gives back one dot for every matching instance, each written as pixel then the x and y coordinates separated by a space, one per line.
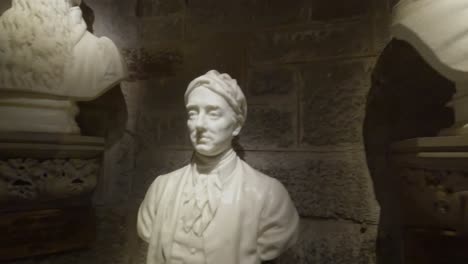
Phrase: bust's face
pixel 211 122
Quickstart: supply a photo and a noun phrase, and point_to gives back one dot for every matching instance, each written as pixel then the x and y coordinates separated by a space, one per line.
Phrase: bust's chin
pixel 200 150
pixel 207 151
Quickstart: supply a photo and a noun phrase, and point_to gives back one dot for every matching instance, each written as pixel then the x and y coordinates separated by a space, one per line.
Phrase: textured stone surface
pixel 327 185
pixel 160 91
pixel 382 22
pixel 132 93
pixel 269 128
pixel 158 61
pixel 34 180
pixel 160 30
pixel 114 185
pixel 224 52
pixel 110 245
pixel 147 8
pixel 235 15
pixel 272 84
pixel 330 242
pixel 312 42
pixel 152 163
pixel 333 101
pixel 139 255
pixel 163 127
pixel 116 20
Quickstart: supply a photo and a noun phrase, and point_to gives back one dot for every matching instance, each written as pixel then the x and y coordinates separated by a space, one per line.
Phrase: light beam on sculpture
pixel 48 61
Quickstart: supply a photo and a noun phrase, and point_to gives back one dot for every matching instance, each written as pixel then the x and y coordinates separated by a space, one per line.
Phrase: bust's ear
pixel 237 130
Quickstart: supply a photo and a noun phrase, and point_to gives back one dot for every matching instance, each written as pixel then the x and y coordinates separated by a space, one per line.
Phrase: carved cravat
pixel 202 195
pixel 200 202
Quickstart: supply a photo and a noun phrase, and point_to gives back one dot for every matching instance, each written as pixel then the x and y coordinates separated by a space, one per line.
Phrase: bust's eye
pixel 192 113
pixel 214 113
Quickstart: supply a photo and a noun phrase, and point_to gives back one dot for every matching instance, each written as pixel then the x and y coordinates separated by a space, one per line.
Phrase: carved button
pixel 193 250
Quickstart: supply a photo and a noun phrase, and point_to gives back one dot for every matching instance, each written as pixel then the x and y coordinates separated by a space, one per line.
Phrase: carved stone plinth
pixel 433 181
pixel 20 113
pixel 46 185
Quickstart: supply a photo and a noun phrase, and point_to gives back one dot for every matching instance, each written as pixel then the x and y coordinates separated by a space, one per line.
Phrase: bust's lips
pixel 202 140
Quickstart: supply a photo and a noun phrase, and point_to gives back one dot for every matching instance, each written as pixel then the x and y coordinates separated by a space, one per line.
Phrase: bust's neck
pixel 210 163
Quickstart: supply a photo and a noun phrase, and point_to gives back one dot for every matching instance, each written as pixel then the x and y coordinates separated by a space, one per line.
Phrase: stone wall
pixel 305 68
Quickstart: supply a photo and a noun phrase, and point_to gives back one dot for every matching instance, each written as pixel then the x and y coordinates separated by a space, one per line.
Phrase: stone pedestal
pixel 433 178
pixel 38 115
pixel 46 185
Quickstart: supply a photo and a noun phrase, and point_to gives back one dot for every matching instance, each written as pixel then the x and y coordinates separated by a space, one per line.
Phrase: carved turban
pixel 226 87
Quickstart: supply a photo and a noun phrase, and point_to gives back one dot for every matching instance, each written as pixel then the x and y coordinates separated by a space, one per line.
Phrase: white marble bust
pixel 48 60
pixel 46 49
pixel 217 209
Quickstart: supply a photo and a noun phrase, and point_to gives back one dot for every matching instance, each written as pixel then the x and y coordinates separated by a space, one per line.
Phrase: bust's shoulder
pixel 255 177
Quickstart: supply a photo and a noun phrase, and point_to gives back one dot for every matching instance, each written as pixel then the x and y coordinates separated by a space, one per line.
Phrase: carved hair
pixel 226 87
pixel 35 45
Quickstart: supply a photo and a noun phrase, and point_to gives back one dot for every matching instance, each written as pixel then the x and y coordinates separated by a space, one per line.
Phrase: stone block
pixel 382 21
pixel 132 93
pixel 110 245
pixel 148 8
pixel 114 185
pixel 139 257
pixel 328 185
pixel 152 163
pixel 214 15
pixel 126 8
pixel 333 101
pixel 337 9
pixel 322 40
pixel 331 242
pixel 268 85
pixel 131 59
pixel 144 63
pixel 115 20
pixel 112 21
pixel 159 30
pixel 269 128
pixel 220 51
pixel 163 127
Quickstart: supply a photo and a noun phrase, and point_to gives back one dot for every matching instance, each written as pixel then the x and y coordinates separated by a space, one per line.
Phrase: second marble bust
pixel 217 209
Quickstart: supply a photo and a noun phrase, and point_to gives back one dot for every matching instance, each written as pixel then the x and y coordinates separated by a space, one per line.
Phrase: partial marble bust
pixel 217 209
pixel 46 49
pixel 438 31
pixel 48 60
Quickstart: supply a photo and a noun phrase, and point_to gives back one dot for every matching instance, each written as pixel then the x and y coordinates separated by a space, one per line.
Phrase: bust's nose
pixel 200 122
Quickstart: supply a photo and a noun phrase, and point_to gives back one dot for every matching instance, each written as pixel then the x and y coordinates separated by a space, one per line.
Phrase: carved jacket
pixel 255 221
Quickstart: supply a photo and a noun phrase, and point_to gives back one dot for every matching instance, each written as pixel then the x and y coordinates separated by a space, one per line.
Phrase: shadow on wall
pixel 88 16
pixel 4 6
pixel 407 100
pixel 106 115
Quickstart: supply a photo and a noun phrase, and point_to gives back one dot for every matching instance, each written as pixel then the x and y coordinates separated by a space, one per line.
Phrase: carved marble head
pixel 35 44
pixel 217 110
